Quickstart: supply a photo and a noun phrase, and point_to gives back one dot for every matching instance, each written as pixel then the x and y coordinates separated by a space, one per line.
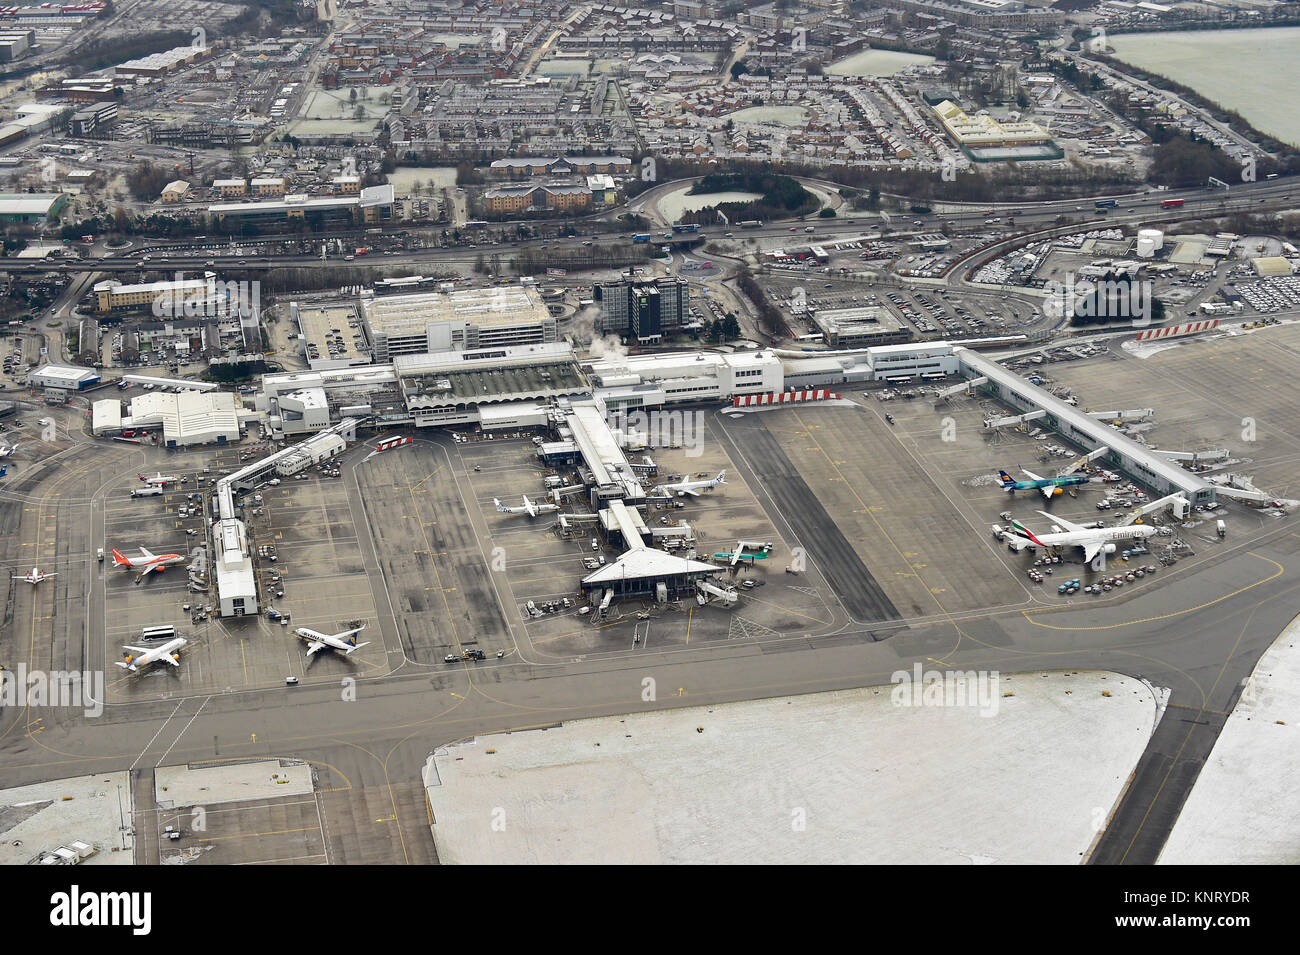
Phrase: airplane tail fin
pixel 1007 480
pixel 120 559
pixel 123 665
pixel 501 508
pixel 722 476
pixel 1025 531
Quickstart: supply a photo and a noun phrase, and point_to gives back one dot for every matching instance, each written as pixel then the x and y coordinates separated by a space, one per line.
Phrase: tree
pixel 352 95
pixel 730 327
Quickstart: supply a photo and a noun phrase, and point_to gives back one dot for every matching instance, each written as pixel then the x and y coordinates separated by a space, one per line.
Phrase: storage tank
pixel 1149 241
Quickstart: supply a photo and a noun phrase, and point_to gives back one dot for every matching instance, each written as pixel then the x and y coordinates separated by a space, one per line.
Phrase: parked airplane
pixel 7 449
pixel 159 479
pixel 1096 542
pixel 529 508
pixel 747 550
pixel 345 641
pixel 693 488
pixel 1049 486
pixel 138 657
pixel 146 564
pixel 35 577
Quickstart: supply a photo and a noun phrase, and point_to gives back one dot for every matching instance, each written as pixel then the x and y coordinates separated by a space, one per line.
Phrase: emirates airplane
pixel 146 564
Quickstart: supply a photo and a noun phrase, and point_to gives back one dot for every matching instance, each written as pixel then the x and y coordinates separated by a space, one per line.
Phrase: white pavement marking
pixel 155 735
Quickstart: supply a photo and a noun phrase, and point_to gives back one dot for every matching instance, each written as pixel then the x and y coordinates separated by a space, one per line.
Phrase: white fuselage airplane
pixel 345 641
pixel 146 564
pixel 7 449
pixel 1096 542
pixel 693 488
pixel 529 508
pixel 138 657
pixel 159 479
pixel 35 577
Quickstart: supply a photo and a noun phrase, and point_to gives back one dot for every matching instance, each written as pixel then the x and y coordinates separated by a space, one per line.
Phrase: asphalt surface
pixel 815 529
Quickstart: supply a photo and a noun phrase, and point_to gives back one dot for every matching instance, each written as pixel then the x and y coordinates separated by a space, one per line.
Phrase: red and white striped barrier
pixel 392 443
pixel 784 397
pixel 1173 331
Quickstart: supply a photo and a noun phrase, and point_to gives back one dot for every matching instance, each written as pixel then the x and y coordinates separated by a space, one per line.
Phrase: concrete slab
pixel 843 777
pixel 205 785
pixel 1245 806
pixel 91 809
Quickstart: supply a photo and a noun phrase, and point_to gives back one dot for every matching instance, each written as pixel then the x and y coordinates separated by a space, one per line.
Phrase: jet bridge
pixel 708 592
pixel 965 386
pixel 1133 414
pixel 1014 421
pixel 1085 459
pixel 1176 503
pixel 1218 454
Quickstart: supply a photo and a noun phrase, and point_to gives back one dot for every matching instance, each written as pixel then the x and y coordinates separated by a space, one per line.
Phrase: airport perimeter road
pixel 1199 634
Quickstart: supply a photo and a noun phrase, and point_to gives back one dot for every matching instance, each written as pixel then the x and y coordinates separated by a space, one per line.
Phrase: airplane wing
pixel 171 658
pixel 1063 522
pixel 1048 491
pixel 147 555
pixel 136 649
pixel 1031 475
pixel 688 490
pixel 1090 550
pixel 314 646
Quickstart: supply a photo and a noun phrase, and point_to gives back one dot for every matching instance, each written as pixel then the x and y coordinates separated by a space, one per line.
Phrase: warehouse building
pixel 454 319
pixel 30 207
pixel 185 419
pixel 63 377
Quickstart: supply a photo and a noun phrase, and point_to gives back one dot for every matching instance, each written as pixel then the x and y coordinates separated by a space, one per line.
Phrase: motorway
pixel 1140 208
pixel 1198 634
